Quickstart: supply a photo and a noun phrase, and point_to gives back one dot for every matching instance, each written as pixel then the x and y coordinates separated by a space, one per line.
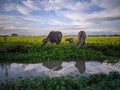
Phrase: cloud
pixel 107 4
pixel 20 8
pixel 31 5
pixel 9 7
pixel 20 21
pixel 103 19
pixel 72 5
pixel 86 20
pixel 66 30
pixel 25 8
pixel 68 16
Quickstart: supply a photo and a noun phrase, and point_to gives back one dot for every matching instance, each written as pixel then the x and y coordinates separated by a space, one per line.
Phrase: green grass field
pixel 28 48
pixel 108 40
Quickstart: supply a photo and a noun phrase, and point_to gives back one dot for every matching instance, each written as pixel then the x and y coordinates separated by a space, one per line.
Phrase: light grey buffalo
pixel 81 39
pixel 53 37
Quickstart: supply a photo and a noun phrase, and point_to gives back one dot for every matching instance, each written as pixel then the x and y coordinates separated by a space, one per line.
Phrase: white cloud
pixel 9 7
pixel 82 18
pixel 31 5
pixel 20 8
pixel 81 6
pixel 57 22
pixel 23 10
pixel 9 28
pixel 66 4
pixel 107 4
pixel 6 19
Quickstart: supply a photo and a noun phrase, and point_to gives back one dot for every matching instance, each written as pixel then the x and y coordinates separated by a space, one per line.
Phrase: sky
pixel 39 17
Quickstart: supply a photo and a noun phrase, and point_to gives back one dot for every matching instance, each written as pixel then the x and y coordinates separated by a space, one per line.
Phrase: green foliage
pixel 109 50
pixel 92 82
pixel 17 47
pixel 101 82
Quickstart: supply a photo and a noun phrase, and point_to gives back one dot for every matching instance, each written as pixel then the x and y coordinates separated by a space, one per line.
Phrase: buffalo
pixel 81 39
pixel 53 37
pixel 70 40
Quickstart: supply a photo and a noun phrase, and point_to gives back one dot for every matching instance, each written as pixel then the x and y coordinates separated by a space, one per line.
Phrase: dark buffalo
pixel 81 39
pixel 53 37
pixel 70 40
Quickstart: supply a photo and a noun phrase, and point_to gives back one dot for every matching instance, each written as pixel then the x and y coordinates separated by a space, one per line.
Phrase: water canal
pixel 56 68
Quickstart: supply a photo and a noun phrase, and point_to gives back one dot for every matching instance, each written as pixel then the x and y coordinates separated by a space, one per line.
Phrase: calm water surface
pixel 55 68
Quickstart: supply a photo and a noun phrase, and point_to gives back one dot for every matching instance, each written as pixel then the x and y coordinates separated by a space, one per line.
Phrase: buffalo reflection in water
pixel 57 65
pixel 7 69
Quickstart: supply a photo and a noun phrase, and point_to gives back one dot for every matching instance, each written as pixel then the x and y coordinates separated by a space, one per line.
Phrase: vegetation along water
pixel 92 82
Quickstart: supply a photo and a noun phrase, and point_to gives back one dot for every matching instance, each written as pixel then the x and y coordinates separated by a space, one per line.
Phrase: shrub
pixel 17 47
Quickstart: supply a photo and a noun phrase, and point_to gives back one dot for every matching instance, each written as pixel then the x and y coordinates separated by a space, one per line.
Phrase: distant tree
pixel 14 34
pixel 103 35
pixel 116 35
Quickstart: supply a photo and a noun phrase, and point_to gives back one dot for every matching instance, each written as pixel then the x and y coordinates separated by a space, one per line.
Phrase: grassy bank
pixel 92 82
pixel 28 48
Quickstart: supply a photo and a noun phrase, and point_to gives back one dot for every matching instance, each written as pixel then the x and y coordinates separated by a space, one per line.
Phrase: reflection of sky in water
pixel 15 70
pixel 96 67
